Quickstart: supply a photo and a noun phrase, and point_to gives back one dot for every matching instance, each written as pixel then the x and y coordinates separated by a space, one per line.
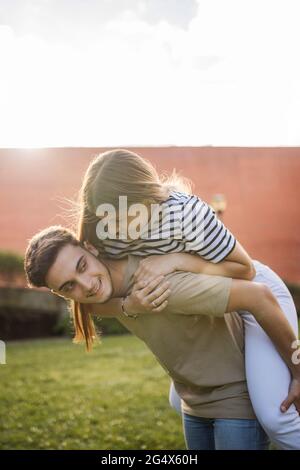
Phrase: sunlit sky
pixel 149 73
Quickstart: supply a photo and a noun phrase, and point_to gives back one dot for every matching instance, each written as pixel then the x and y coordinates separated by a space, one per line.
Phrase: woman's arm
pixel 259 300
pixel 237 265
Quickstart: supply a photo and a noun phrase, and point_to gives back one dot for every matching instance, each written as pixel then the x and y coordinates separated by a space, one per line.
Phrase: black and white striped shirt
pixel 186 224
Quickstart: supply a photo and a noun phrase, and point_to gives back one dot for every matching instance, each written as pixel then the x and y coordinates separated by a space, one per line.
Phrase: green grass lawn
pixel 53 395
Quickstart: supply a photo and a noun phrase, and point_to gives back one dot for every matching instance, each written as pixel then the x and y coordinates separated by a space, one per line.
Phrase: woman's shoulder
pixel 186 202
pixel 182 198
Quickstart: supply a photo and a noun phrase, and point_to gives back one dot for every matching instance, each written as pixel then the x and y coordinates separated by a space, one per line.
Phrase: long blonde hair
pixel 122 172
pixel 112 174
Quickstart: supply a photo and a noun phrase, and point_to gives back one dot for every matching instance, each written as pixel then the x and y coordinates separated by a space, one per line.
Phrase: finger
pixel 287 403
pixel 152 285
pixel 156 294
pixel 144 283
pixel 159 300
pixel 143 276
pixel 161 307
pixel 139 285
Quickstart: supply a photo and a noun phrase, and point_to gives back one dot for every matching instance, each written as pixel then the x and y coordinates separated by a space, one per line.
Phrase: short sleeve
pixel 203 233
pixel 198 294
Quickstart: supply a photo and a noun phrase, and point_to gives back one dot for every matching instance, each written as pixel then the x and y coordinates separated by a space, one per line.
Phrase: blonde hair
pixel 121 172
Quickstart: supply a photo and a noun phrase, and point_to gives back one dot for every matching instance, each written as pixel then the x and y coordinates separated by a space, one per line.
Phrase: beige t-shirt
pixel 198 345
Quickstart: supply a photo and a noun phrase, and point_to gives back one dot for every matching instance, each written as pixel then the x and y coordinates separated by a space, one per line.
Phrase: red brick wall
pixel 261 185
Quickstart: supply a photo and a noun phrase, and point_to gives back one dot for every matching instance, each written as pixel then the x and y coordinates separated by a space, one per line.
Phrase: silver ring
pixel 154 303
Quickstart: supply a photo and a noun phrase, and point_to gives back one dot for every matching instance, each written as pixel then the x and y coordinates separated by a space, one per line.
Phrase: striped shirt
pixel 185 223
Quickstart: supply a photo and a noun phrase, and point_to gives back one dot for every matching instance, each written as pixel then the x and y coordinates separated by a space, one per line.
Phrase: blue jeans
pixel 223 434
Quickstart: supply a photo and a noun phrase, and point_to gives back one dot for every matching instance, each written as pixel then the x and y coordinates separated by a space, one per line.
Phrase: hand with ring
pixel 148 296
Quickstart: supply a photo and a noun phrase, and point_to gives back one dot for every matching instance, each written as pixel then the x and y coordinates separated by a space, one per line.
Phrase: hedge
pixel 11 263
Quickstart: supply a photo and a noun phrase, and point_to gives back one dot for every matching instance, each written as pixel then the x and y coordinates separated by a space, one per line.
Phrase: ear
pixel 89 247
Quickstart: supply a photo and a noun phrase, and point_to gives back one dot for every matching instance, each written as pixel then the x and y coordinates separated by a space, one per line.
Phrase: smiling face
pixel 77 274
